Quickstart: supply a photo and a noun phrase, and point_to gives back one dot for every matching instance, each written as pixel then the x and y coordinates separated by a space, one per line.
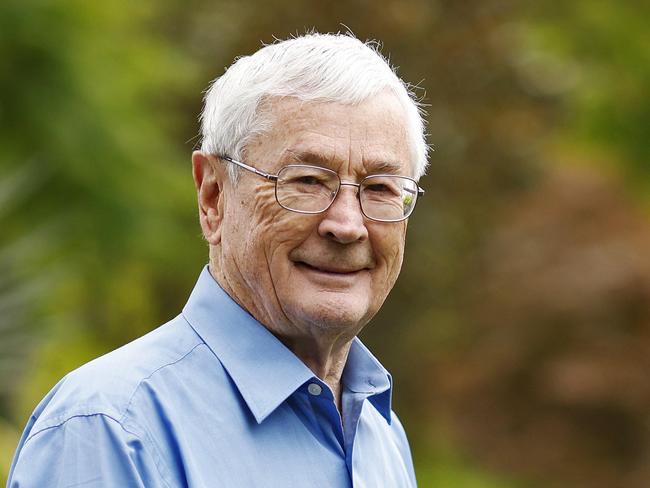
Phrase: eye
pixel 308 180
pixel 384 187
pixel 377 187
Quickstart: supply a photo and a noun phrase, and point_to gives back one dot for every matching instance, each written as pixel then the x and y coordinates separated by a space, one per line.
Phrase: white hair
pixel 314 67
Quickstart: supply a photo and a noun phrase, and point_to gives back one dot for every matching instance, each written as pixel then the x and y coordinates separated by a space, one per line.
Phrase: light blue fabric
pixel 213 399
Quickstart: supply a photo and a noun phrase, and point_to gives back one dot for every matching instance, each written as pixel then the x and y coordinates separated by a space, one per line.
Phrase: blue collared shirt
pixel 213 399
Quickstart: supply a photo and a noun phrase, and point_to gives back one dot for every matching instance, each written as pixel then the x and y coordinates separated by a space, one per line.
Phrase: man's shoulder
pixel 106 385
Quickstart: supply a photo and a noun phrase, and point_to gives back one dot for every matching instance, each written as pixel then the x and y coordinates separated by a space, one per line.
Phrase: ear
pixel 209 178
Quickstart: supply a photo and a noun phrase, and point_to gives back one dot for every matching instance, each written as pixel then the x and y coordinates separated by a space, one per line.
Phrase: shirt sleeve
pixel 404 448
pixel 92 451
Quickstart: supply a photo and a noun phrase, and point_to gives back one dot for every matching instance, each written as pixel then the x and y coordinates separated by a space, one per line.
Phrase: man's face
pixel 324 274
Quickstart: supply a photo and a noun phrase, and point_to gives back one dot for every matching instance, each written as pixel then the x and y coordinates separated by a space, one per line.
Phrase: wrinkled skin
pixel 312 280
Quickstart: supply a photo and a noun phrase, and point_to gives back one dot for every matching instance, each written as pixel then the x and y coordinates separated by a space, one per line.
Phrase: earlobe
pixel 208 181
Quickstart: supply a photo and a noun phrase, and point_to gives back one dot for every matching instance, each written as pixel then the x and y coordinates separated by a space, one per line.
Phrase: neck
pixel 326 360
pixel 325 354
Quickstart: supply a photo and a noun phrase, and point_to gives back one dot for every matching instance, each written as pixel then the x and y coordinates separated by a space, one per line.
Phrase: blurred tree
pixel 596 55
pixel 552 380
pixel 94 197
pixel 546 371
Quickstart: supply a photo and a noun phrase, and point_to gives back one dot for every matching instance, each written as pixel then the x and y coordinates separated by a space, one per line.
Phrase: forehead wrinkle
pixel 377 153
pixel 371 165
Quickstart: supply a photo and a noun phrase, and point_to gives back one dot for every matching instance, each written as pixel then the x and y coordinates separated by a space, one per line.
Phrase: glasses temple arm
pixel 261 173
pixel 420 191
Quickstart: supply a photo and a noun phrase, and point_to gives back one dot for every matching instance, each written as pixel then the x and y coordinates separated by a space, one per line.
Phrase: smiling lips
pixel 334 264
pixel 332 269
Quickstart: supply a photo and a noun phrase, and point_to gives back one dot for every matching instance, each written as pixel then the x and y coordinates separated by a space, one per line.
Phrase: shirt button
pixel 314 389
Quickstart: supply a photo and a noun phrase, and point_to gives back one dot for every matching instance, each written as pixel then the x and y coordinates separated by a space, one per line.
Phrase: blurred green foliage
pixel 95 195
pixel 524 279
pixel 598 55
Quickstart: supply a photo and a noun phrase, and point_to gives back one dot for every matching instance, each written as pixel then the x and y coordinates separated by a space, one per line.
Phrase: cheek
pixel 243 231
pixel 276 229
pixel 389 250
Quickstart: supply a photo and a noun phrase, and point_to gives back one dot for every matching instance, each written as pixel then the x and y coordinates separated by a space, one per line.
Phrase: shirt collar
pixel 363 373
pixel 264 370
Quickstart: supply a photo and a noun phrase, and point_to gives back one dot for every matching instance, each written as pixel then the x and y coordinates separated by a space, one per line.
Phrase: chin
pixel 334 313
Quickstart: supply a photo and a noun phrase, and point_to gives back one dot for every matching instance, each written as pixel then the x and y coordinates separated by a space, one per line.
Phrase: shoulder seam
pixel 66 419
pixel 135 390
pixel 123 419
pixel 119 412
pixel 99 414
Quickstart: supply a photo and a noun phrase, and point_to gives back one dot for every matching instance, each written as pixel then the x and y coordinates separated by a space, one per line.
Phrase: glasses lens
pixel 388 198
pixel 306 188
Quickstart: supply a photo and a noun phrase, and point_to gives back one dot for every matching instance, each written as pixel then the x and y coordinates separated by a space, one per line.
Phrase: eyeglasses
pixel 312 190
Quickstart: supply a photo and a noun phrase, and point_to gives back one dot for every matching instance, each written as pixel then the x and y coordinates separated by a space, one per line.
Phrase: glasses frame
pixel 274 178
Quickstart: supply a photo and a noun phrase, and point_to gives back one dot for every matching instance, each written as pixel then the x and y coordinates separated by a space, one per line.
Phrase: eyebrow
pixel 385 167
pixel 325 160
pixel 310 157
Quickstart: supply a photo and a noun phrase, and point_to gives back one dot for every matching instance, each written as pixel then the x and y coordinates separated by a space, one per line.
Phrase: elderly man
pixel 306 177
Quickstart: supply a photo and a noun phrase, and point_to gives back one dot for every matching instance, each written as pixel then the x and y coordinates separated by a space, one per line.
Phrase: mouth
pixel 329 269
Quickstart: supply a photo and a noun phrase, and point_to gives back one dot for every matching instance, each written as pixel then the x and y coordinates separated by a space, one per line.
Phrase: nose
pixel 344 221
